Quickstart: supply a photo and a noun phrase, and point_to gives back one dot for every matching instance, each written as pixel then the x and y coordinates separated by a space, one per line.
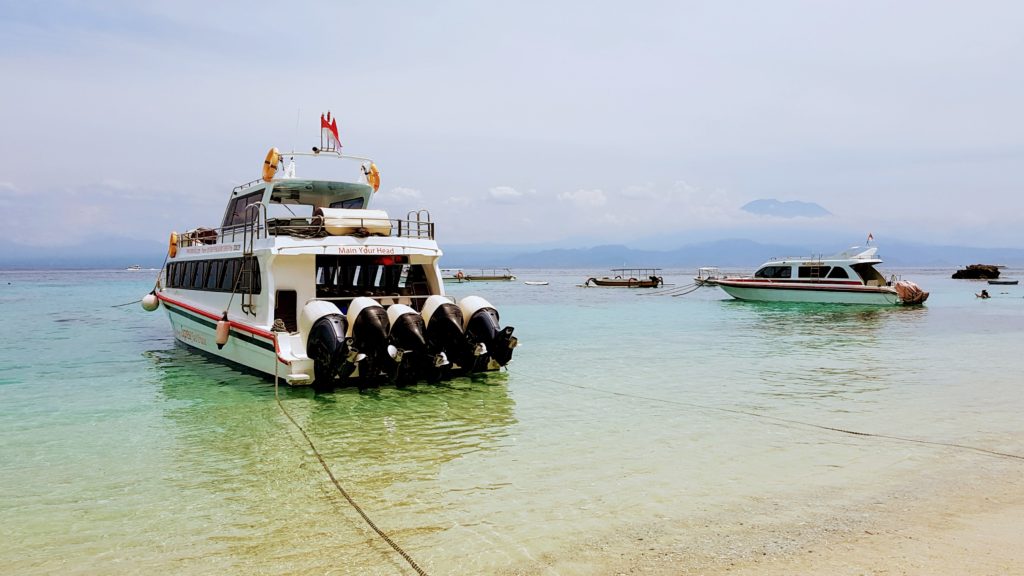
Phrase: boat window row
pixel 822 272
pixel 351 276
pixel 219 275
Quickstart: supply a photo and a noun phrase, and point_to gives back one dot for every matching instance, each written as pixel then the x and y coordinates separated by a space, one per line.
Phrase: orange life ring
pixel 270 164
pixel 172 245
pixel 373 177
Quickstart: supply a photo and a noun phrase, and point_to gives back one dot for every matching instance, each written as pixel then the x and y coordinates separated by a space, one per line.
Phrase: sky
pixel 579 123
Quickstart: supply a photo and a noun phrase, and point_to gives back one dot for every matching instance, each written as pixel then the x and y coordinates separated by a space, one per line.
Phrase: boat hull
pixel 247 346
pixel 624 282
pixel 881 295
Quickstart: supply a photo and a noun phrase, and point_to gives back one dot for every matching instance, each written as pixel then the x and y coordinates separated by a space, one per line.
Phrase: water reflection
pixel 246 472
pixel 820 353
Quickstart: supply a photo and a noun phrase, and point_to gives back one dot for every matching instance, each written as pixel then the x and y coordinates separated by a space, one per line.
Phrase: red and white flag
pixel 329 132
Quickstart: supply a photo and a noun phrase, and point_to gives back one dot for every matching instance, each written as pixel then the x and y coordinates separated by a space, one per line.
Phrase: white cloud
pixel 585 198
pixel 504 194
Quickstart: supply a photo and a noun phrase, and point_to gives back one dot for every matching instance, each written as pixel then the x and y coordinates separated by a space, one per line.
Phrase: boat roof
pixel 853 255
pixel 636 269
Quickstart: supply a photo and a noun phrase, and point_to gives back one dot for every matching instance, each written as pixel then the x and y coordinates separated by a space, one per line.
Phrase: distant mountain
pixel 105 252
pixel 789 209
pixel 116 253
pixel 731 253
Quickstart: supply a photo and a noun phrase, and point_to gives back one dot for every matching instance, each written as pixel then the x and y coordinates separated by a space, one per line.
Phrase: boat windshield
pixel 774 272
pixel 868 274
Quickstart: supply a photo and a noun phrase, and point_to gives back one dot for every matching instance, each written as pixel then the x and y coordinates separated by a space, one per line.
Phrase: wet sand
pixel 957 521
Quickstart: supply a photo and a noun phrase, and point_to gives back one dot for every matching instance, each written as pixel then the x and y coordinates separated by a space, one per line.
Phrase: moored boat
pixel 1004 282
pixel 491 275
pixel 629 278
pixel 846 278
pixel 304 281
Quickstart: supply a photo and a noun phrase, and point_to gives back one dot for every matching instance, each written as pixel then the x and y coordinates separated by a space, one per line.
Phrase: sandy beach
pixel 957 521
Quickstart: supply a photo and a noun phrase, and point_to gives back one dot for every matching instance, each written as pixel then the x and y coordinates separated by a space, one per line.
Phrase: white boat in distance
pixel 304 281
pixel 846 278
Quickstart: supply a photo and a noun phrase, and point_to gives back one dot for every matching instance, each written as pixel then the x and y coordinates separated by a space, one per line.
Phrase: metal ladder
pixel 250 233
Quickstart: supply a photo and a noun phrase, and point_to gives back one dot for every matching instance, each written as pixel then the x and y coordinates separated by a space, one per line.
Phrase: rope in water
pixel 337 484
pixel 984 451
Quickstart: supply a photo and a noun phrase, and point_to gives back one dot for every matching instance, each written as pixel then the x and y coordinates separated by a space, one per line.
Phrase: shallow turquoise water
pixel 122 452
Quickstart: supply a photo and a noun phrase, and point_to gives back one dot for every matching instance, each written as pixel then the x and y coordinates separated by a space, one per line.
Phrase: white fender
pixel 469 306
pixel 431 306
pixel 150 302
pixel 357 306
pixel 312 312
pixel 396 311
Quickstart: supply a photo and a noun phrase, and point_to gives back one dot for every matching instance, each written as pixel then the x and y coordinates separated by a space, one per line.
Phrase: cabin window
pixel 227 279
pixel 350 203
pixel 199 280
pixel 213 275
pixel 190 273
pixel 237 213
pixel 774 272
pixel 813 271
pixel 838 272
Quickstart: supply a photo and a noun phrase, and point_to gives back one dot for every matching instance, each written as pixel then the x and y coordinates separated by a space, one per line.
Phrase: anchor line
pixel 670 290
pixel 983 451
pixel 337 484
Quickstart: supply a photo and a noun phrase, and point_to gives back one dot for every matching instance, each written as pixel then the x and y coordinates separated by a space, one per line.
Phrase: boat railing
pixel 260 227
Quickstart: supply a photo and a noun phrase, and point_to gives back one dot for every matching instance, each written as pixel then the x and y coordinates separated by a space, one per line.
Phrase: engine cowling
pixel 327 344
pixel 482 326
pixel 368 327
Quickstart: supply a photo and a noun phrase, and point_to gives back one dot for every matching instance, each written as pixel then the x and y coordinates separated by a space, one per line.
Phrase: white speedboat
pixel 304 281
pixel 846 278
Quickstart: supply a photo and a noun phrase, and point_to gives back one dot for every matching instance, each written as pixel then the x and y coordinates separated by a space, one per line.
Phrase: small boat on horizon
pixel 134 267
pixel 629 278
pixel 1003 282
pixel 536 282
pixel 846 278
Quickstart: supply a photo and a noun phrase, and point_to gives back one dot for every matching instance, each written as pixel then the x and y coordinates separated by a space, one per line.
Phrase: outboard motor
pixel 480 323
pixel 325 328
pixel 368 327
pixel 445 336
pixel 409 340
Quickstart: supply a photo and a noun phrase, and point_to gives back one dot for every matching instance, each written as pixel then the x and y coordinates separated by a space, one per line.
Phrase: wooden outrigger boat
pixel 629 278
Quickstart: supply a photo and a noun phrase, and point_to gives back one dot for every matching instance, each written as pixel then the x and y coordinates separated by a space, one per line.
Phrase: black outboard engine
pixel 368 327
pixel 445 336
pixel 329 349
pixel 327 344
pixel 481 326
pixel 412 360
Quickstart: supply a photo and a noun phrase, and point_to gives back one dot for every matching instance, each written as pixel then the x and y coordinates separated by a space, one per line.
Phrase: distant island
pixel 788 209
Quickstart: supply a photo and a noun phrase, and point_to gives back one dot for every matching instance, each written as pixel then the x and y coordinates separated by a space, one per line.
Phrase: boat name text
pixel 376 250
pixel 191 336
pixel 213 248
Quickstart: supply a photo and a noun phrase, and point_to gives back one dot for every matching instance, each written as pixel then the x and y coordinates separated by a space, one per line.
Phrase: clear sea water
pixel 624 424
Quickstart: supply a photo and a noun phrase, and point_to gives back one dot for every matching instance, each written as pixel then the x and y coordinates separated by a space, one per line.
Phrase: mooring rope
pixel 668 290
pixel 156 283
pixel 337 484
pixel 984 451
